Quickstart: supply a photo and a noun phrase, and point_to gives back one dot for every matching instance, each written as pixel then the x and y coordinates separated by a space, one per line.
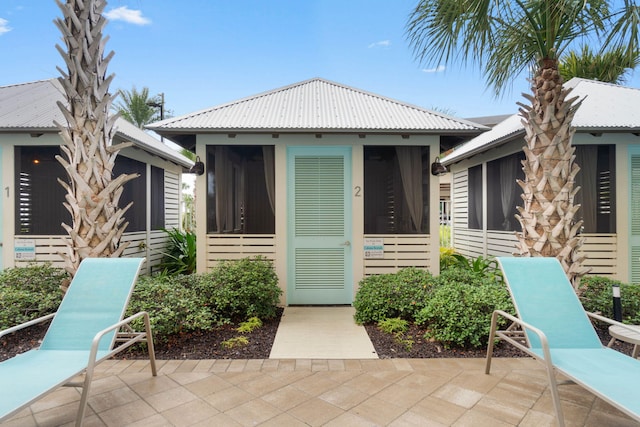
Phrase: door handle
pixel 347 243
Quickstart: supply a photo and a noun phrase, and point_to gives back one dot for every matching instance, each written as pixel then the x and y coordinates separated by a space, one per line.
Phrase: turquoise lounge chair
pixel 558 332
pixel 83 333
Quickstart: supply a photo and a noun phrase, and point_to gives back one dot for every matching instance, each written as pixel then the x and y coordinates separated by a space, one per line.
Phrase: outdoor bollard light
pixel 617 305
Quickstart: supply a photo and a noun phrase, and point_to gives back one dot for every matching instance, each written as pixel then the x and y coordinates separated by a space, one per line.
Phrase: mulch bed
pixel 208 345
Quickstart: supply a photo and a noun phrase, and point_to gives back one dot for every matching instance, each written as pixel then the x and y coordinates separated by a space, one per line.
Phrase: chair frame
pixel 125 337
pixel 518 339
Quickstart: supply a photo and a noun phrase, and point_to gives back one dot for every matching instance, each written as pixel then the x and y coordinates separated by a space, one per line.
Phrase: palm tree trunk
pixel 548 215
pixel 89 156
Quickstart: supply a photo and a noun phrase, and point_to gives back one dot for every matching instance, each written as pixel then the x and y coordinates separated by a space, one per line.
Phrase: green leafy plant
pixel 27 293
pixel 398 327
pixel 249 325
pixel 174 306
pixel 406 341
pixel 235 342
pixel 393 325
pixel 448 258
pixel 241 289
pixel 180 254
pixel 486 267
pixel 401 294
pixel 459 314
pixel 596 295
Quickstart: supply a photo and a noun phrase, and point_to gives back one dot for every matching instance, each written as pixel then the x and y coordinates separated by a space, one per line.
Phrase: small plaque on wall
pixel 24 250
pixel 373 248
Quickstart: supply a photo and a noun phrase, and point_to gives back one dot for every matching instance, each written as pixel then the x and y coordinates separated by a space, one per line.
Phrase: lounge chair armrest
pixel 610 321
pixel 544 342
pixel 26 324
pixel 102 333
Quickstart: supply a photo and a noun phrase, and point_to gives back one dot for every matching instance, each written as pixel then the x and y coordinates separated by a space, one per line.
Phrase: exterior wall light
pixel 198 167
pixel 438 168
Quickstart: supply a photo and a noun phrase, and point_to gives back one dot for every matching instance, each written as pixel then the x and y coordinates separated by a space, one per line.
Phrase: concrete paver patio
pixel 315 392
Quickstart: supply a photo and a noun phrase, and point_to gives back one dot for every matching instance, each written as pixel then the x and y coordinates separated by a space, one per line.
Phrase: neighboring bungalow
pixel 31 208
pixel 607 141
pixel 330 182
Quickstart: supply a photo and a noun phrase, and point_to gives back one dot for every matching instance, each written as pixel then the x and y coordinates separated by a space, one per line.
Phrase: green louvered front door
pixel 634 213
pixel 319 225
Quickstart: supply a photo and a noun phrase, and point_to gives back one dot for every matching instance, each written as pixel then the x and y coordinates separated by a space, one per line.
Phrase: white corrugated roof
pixel 605 108
pixel 316 105
pixel 31 107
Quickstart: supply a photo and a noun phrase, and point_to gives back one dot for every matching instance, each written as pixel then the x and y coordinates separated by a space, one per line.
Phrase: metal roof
pixel 31 107
pixel 316 105
pixel 605 108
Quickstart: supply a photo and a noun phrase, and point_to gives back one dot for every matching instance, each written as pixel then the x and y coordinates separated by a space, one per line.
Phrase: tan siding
pixel 466 242
pixel 171 199
pixel 501 243
pixel 400 251
pixel 601 254
pixel 231 247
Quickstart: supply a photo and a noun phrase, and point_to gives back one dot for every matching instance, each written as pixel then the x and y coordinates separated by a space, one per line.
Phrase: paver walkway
pixel 312 392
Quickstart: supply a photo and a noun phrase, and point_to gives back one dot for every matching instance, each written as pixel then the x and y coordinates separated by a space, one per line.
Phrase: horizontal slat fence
pixel 400 251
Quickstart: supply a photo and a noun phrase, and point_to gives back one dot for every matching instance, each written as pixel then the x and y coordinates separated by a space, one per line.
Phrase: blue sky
pixel 202 53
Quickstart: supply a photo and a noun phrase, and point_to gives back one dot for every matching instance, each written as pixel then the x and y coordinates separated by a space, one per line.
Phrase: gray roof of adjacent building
pixel 316 105
pixel 605 107
pixel 32 107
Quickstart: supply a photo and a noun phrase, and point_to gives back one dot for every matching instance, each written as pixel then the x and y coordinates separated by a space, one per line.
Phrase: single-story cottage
pixel 607 141
pixel 31 206
pixel 330 182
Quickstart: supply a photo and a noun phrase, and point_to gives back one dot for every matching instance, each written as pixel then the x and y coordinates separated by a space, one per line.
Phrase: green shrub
pixel 459 313
pixel 596 296
pixel 384 296
pixel 27 293
pixel 461 274
pixel 180 254
pixel 173 305
pixel 241 289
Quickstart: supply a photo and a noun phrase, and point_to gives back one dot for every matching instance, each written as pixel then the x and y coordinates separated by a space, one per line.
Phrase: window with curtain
pixel 597 182
pixel 505 194
pixel 133 191
pixel 396 189
pixel 474 189
pixel 240 189
pixel 157 198
pixel 39 196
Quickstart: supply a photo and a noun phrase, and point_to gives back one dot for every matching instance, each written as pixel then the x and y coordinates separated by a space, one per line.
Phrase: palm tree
pixel 92 194
pixel 506 38
pixel 610 67
pixel 137 107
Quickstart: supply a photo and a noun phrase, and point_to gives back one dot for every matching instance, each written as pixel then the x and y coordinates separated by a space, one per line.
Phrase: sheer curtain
pixel 223 183
pixel 475 197
pixel 508 169
pixel 410 161
pixel 268 156
pixel 587 179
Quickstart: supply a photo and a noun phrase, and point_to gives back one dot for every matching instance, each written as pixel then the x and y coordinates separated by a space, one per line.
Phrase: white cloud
pixel 125 14
pixel 382 43
pixel 4 26
pixel 438 69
